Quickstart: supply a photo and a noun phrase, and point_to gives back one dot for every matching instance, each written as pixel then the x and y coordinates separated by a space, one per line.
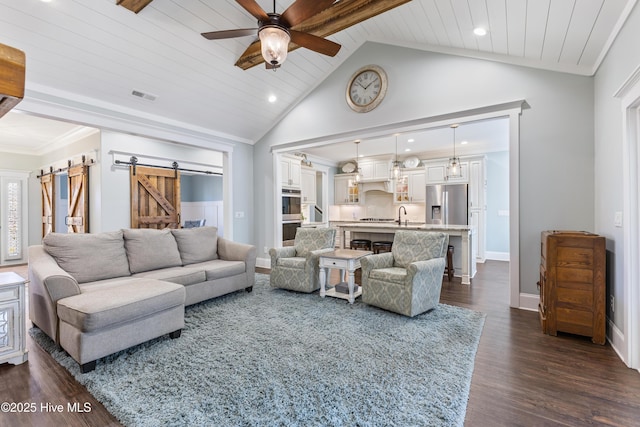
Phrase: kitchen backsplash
pixel 376 206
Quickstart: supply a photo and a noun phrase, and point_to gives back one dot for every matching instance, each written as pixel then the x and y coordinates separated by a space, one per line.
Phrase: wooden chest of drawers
pixel 572 284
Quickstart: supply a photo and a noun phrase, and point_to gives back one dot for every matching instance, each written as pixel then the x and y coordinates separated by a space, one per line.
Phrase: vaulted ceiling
pixel 101 53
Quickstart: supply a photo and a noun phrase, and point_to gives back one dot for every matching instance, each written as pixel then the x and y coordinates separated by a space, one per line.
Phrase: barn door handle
pixel 66 220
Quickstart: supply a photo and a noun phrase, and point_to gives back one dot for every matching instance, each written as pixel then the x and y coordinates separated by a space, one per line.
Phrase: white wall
pixel 556 151
pixel 621 61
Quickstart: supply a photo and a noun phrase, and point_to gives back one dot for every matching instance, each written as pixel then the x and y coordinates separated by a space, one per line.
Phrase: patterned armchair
pixel 296 267
pixel 408 279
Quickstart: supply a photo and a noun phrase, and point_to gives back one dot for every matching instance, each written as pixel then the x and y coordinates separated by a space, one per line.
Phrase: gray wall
pixel 556 148
pixel 621 61
pixel 497 235
pixel 200 188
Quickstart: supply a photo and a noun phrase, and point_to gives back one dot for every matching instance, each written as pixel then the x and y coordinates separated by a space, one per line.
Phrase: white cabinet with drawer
pixel 13 343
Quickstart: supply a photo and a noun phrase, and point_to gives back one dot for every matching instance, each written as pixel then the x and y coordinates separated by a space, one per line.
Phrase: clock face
pixel 367 88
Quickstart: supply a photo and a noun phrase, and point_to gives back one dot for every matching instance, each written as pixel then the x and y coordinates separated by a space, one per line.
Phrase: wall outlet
pixel 266 249
pixel 239 214
pixel 612 303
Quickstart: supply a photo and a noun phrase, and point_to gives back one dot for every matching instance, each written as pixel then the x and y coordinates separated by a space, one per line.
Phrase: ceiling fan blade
pixel 229 34
pixel 315 43
pixel 302 10
pixel 254 9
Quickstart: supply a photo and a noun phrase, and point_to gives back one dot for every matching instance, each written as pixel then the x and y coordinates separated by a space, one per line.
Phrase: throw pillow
pixel 150 249
pixel 89 257
pixel 197 244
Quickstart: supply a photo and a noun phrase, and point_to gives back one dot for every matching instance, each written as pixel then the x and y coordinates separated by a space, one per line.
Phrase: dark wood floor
pixel 521 378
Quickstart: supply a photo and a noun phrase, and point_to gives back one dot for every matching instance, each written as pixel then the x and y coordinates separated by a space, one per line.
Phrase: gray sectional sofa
pixel 96 294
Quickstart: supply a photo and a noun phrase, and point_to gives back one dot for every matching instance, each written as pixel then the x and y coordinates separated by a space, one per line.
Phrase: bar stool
pixel 382 246
pixel 448 269
pixel 361 244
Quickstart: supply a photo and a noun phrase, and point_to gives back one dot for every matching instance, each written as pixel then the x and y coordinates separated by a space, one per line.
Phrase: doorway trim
pixel 629 94
pixel 511 110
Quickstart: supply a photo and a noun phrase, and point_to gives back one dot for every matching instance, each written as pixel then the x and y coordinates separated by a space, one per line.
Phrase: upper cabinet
pixel 436 172
pixel 411 187
pixel 308 185
pixel 346 190
pixel 374 170
pixel 290 168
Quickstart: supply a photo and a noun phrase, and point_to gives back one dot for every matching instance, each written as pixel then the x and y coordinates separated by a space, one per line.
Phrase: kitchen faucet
pixel 405 212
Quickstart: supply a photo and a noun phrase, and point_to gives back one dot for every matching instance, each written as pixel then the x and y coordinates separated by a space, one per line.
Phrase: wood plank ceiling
pixel 100 53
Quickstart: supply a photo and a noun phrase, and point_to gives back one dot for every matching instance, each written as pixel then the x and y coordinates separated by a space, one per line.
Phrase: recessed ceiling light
pixel 410 140
pixel 407 150
pixel 464 142
pixel 480 31
pixel 272 98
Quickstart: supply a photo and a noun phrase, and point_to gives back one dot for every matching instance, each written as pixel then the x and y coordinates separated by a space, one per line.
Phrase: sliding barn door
pixel 78 213
pixel 155 197
pixel 47 191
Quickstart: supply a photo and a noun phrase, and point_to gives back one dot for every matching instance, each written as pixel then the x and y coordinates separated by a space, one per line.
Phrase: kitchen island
pixel 460 236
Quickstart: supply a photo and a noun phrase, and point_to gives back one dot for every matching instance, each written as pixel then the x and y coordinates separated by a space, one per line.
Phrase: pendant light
pixel 358 176
pixel 453 167
pixel 396 166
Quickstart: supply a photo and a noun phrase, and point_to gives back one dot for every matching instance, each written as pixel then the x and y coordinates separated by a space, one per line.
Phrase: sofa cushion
pixel 197 244
pixel 150 249
pixel 89 257
pixel 391 274
pixel 293 262
pixel 181 275
pixel 218 268
pixel 119 304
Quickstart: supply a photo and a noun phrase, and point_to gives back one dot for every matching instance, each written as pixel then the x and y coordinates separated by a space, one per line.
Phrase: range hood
pixel 376 186
pixel 12 75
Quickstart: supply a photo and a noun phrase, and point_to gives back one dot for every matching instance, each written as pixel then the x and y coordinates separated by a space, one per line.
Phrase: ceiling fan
pixel 275 33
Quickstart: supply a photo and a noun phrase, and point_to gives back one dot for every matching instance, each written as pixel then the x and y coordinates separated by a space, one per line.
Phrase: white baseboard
pixel 617 340
pixel 263 262
pixel 529 302
pixel 497 256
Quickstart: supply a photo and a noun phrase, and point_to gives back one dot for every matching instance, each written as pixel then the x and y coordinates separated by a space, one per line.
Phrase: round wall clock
pixel 367 88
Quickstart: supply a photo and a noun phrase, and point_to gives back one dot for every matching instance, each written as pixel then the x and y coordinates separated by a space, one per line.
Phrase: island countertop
pixel 365 226
pixel 464 234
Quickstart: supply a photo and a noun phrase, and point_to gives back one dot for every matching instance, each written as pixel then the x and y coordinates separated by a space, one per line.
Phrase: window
pixel 13 213
pixel 14 223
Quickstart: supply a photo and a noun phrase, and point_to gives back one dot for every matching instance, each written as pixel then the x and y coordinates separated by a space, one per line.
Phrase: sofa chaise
pixel 96 294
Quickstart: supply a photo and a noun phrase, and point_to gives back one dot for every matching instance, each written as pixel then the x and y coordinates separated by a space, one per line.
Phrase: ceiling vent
pixel 12 74
pixel 142 95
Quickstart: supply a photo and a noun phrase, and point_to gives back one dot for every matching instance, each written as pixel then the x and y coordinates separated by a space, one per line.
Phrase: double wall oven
pixel 291 214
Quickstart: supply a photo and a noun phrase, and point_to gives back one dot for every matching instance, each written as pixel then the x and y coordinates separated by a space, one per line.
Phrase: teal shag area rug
pixel 279 358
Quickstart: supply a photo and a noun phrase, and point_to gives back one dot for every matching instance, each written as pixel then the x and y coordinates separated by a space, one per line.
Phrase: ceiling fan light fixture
pixel 274 44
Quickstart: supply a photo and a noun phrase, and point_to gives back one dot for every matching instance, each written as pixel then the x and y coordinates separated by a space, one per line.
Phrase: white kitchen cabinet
pixel 13 340
pixel 290 168
pixel 477 203
pixel 436 172
pixel 346 190
pixel 308 185
pixel 411 187
pixel 374 170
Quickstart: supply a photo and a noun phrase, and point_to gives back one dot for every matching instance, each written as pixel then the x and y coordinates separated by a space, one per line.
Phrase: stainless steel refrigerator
pixel 447 204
